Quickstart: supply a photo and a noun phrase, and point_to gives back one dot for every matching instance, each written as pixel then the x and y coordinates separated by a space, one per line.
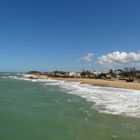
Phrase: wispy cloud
pixel 87 58
pixel 120 58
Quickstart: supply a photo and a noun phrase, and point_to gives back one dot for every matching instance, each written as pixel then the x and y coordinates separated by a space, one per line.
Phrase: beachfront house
pixel 87 74
pixel 96 73
pixel 75 74
pixel 137 74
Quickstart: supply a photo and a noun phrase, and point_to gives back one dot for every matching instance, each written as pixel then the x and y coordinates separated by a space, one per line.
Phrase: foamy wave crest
pixel 106 99
pixel 27 78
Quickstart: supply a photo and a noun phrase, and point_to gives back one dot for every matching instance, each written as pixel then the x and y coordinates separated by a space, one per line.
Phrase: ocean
pixel 62 110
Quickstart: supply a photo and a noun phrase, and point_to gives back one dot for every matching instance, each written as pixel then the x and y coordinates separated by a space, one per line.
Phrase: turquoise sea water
pixel 32 111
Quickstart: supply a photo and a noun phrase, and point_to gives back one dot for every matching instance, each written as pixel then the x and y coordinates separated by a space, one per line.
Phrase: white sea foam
pixel 106 99
pixel 109 100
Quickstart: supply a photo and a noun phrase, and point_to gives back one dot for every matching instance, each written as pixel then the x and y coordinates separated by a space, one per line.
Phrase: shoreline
pixel 103 83
pixel 95 82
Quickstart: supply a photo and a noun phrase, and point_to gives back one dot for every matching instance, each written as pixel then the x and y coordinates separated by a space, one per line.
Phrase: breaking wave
pixel 116 101
pixel 109 100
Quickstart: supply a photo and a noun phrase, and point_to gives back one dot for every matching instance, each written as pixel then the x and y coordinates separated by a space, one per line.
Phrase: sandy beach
pixel 106 83
pixel 96 82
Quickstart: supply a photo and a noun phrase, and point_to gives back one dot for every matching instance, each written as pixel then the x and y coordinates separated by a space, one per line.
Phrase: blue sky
pixel 51 34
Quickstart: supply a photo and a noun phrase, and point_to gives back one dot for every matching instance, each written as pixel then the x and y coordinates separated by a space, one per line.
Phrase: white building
pixel 74 74
pixel 96 73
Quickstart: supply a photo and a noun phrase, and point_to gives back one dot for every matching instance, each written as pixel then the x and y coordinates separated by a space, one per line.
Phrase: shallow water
pixel 42 111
